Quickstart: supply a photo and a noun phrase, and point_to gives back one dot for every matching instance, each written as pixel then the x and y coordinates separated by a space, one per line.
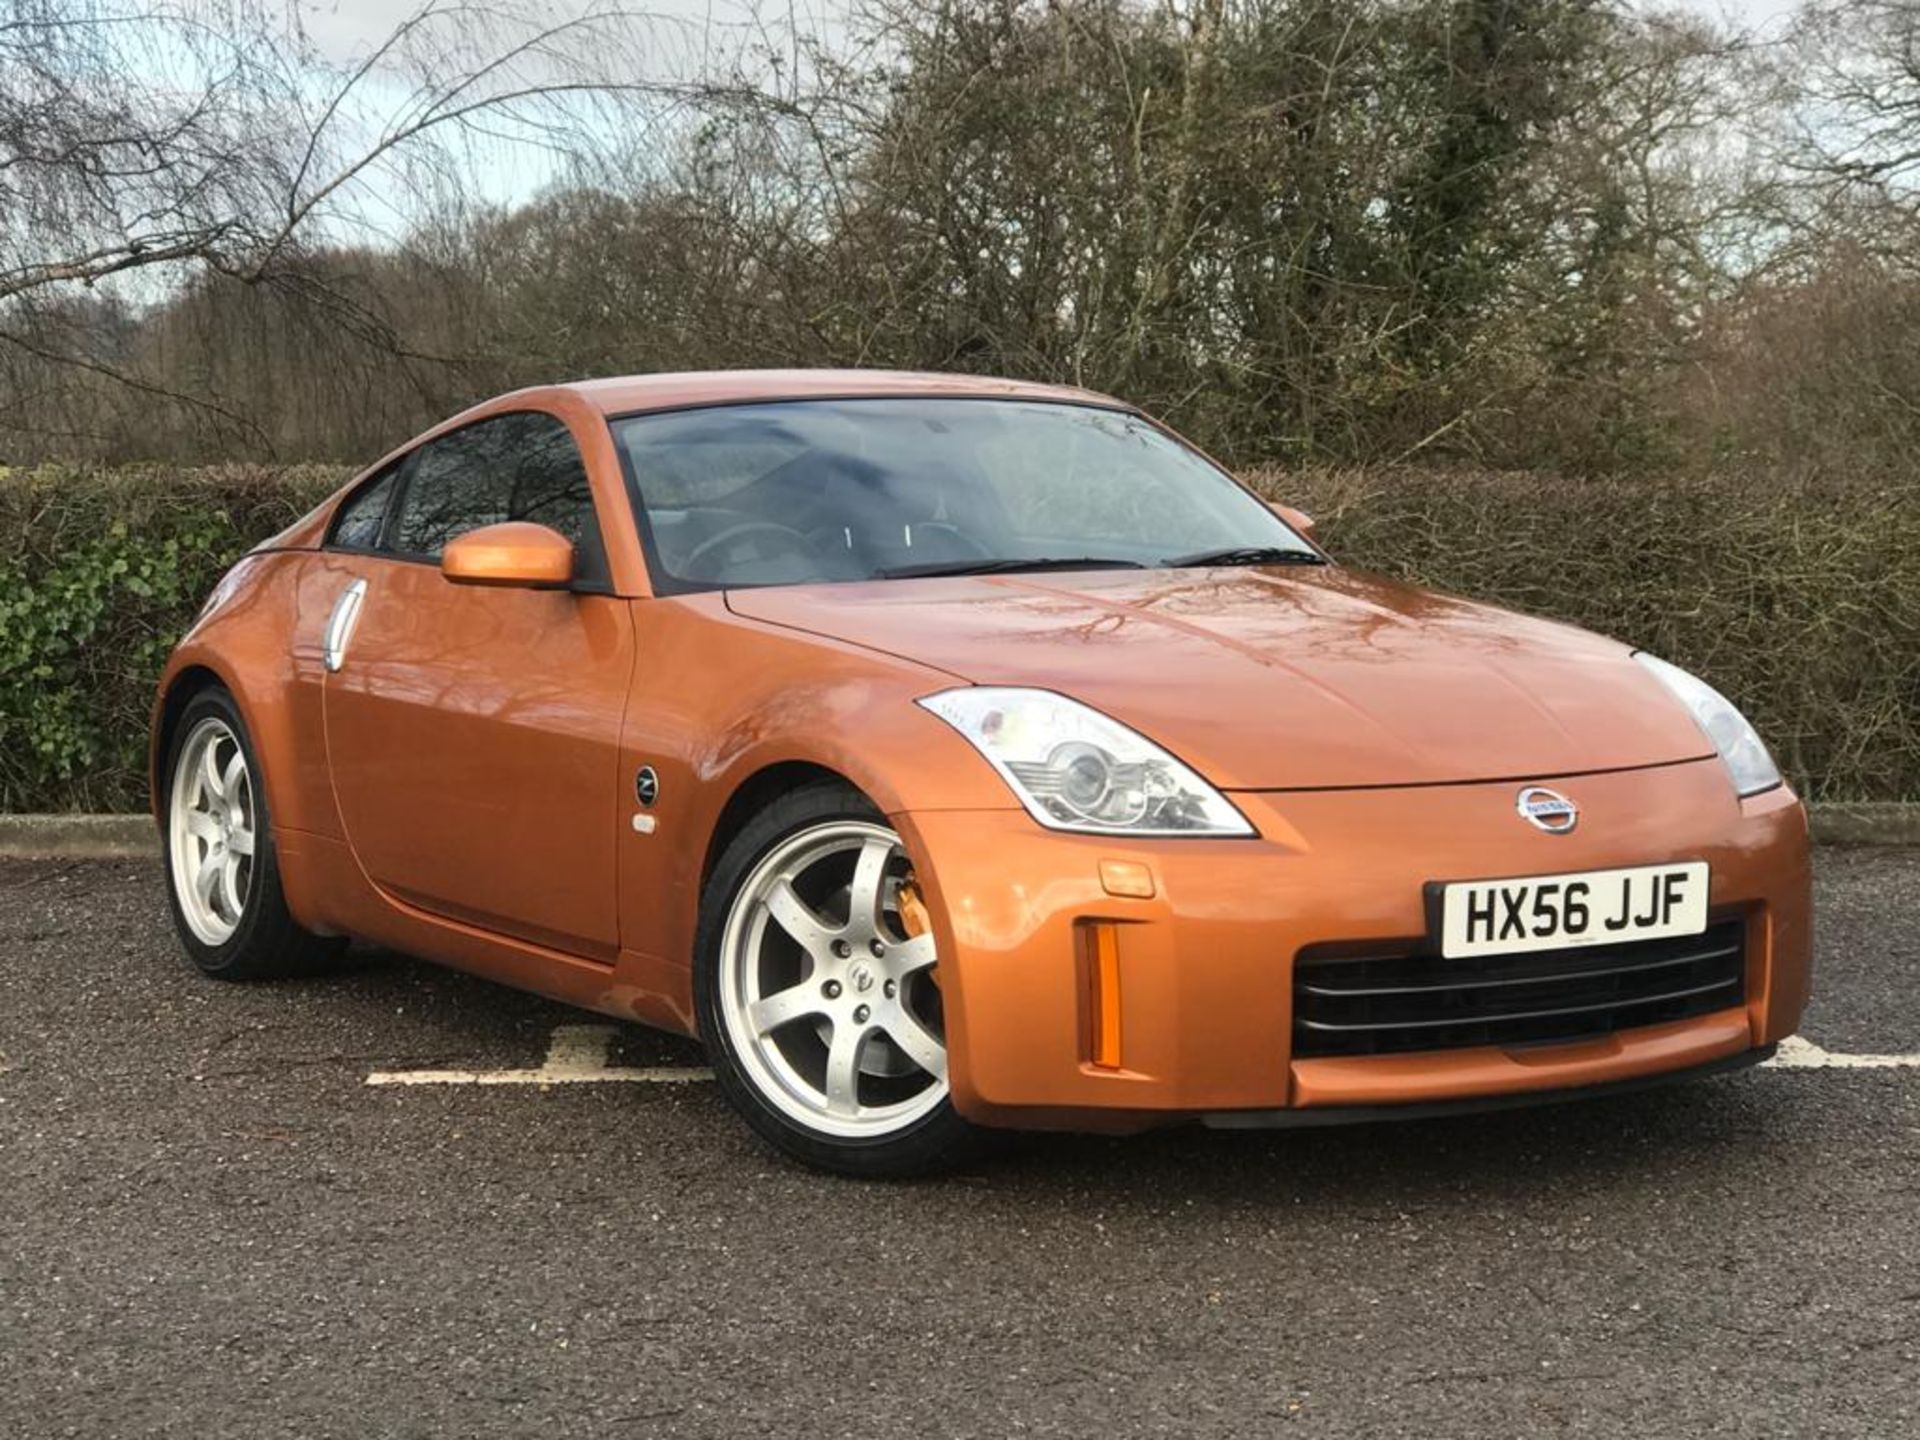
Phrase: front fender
pixel 244 639
pixel 870 731
pixel 719 700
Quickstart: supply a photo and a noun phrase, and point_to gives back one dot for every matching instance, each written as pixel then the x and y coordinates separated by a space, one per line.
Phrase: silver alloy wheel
pixel 829 1002
pixel 211 829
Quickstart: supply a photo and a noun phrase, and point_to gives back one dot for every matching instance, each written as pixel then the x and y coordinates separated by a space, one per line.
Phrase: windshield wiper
pixel 1007 567
pixel 1245 555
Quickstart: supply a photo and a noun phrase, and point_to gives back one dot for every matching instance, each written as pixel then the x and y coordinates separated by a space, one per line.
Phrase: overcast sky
pixel 347 29
pixel 344 26
pixel 1761 14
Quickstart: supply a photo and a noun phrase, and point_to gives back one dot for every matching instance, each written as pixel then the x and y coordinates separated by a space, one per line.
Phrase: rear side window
pixel 513 467
pixel 358 522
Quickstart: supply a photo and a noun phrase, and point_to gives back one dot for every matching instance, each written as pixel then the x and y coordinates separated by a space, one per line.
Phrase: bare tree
pixel 1852 140
pixel 1524 231
pixel 146 143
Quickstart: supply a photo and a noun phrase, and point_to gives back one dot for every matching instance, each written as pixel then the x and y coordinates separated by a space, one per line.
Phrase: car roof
pixel 627 394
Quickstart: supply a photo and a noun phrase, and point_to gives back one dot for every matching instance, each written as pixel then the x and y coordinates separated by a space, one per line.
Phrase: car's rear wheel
pixel 819 994
pixel 223 875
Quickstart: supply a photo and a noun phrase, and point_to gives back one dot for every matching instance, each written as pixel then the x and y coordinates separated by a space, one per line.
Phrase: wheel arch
pixel 259 653
pixel 754 793
pixel 177 691
pixel 909 760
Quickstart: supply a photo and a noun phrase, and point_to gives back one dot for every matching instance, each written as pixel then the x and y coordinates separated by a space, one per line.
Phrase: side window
pixel 358 521
pixel 452 490
pixel 550 488
pixel 514 467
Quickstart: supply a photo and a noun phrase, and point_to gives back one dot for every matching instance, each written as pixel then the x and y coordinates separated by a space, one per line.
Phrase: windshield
pixel 800 492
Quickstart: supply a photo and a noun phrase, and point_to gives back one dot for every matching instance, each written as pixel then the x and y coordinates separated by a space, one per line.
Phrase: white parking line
pixel 1798 1054
pixel 577 1055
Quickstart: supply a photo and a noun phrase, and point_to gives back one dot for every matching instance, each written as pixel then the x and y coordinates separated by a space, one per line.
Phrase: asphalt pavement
pixel 211 1225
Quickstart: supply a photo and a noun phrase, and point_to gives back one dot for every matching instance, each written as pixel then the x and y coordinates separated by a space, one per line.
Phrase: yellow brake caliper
pixel 914 918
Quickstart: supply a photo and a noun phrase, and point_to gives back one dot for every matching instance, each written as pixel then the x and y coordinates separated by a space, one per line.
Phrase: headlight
pixel 1739 744
pixel 1075 769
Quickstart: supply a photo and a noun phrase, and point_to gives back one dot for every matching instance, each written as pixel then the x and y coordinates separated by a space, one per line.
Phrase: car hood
pixel 1277 679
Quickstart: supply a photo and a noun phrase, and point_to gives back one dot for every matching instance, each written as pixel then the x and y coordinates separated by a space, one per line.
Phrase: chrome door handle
pixel 346 611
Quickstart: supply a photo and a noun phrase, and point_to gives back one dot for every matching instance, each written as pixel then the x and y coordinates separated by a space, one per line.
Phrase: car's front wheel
pixel 223 875
pixel 818 990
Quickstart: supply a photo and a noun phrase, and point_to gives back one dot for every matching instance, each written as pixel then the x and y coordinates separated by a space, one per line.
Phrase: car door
pixel 473 732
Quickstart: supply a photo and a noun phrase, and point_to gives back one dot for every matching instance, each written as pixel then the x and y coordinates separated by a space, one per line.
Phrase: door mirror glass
pixel 514 553
pixel 1298 519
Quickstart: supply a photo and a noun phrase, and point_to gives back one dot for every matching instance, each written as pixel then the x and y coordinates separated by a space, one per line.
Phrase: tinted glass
pixel 516 467
pixel 356 524
pixel 805 491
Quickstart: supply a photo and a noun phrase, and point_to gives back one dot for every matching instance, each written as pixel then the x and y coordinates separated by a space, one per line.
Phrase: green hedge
pixel 1799 596
pixel 100 572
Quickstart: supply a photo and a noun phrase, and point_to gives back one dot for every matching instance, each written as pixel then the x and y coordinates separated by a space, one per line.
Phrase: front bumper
pixel 1204 967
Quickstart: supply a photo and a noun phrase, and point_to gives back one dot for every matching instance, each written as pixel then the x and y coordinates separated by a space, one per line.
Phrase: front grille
pixel 1385 1004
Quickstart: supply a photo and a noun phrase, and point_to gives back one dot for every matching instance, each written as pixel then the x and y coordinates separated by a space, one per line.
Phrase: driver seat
pixel 901 518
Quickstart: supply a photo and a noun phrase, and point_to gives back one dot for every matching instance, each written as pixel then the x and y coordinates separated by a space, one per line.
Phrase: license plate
pixel 1558 912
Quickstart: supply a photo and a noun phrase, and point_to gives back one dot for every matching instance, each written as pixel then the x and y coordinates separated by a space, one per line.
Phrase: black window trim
pixel 396 470
pixel 402 471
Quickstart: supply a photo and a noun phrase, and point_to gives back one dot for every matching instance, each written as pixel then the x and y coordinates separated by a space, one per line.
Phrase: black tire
pixel 938 1141
pixel 266 943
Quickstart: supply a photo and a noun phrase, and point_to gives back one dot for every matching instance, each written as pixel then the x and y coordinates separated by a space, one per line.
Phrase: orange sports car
pixel 951 754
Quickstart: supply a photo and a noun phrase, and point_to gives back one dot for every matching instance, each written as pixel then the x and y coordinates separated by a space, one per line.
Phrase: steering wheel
pixel 790 541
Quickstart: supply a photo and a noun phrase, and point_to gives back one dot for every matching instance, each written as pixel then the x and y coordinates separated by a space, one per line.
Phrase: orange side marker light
pixel 1101 942
pixel 1128 879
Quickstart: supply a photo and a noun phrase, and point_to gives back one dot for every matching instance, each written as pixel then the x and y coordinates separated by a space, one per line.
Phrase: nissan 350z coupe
pixel 951 754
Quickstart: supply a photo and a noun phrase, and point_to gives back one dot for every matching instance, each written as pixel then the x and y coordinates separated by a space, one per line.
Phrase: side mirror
pixel 513 553
pixel 1298 519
